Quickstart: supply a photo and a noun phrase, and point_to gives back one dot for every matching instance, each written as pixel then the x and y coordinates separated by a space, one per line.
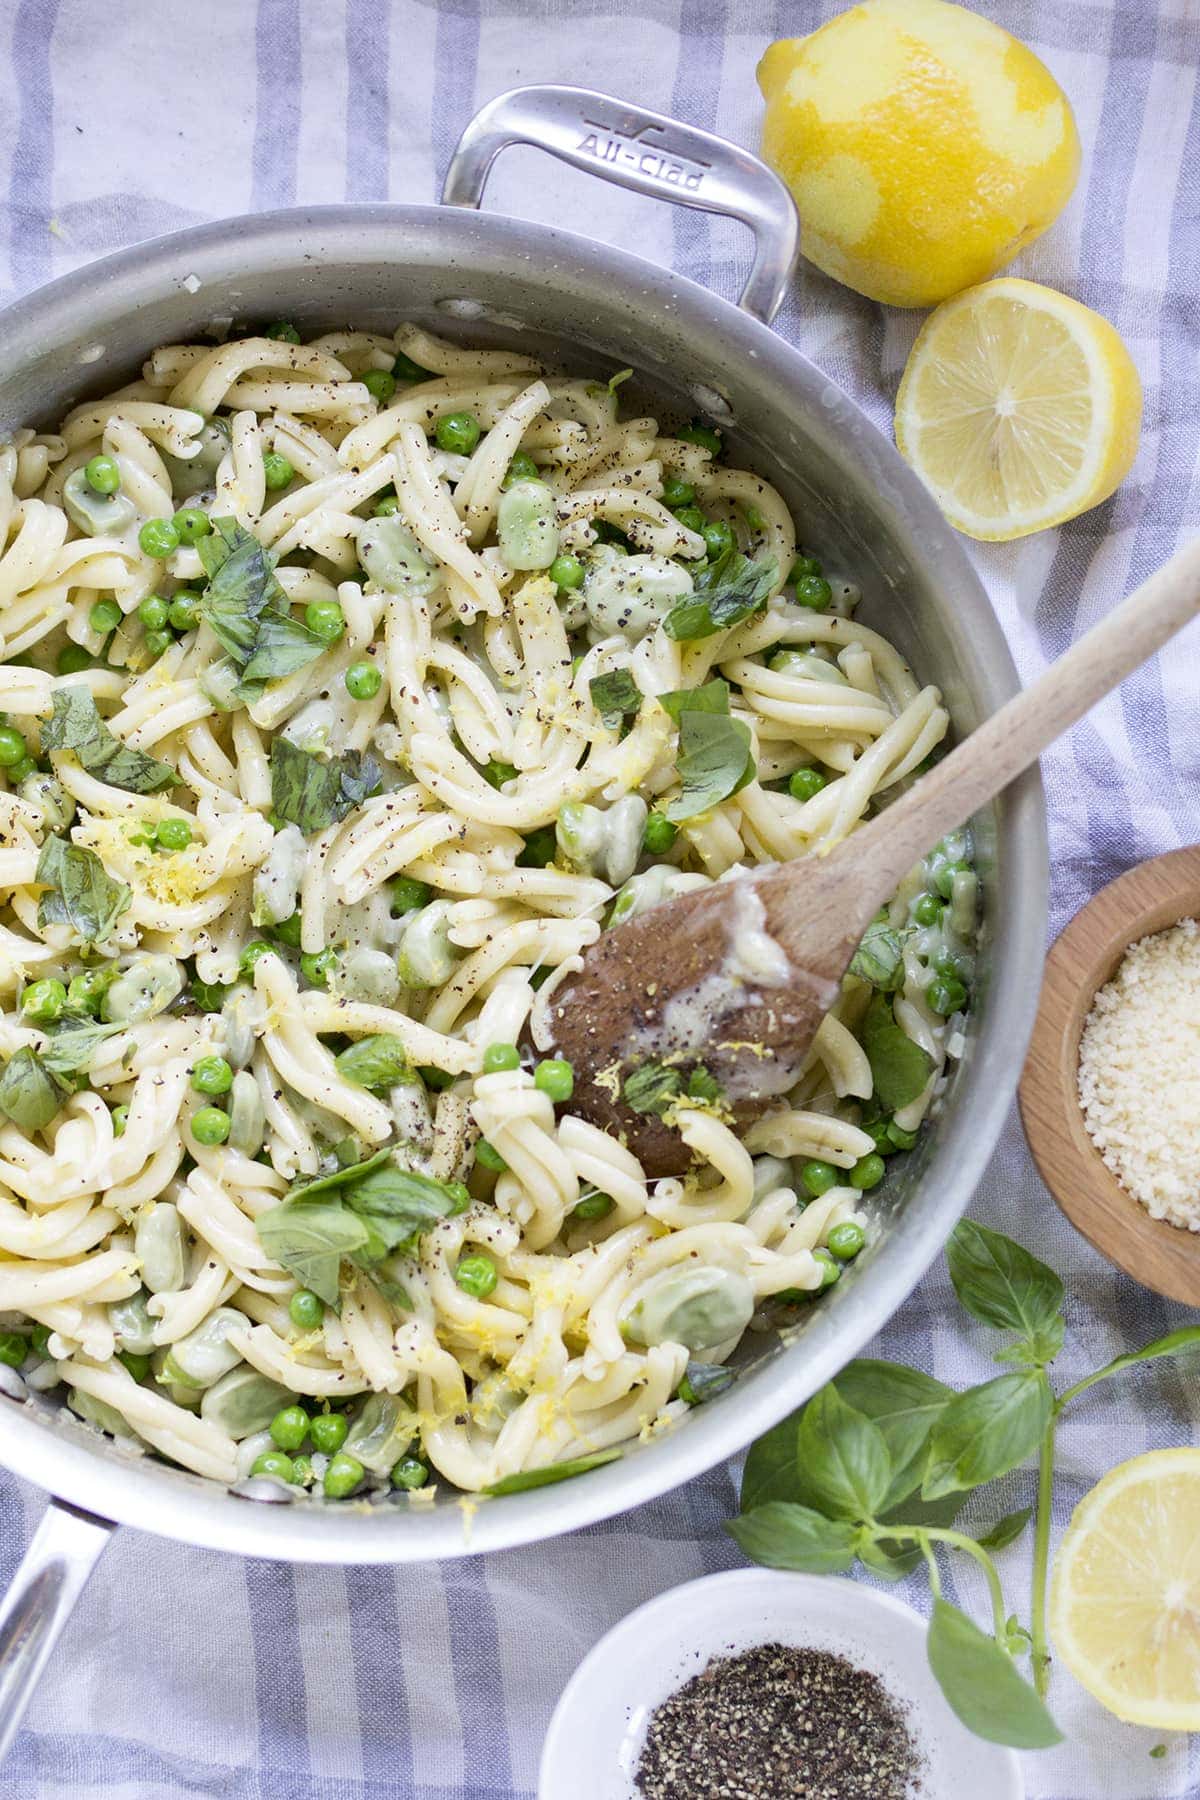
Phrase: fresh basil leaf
pixel 652 1088
pixel 311 793
pixel 248 611
pixel 615 693
pixel 1176 1343
pixel 77 726
pixel 215 546
pixel 725 593
pixel 283 645
pixel 716 759
pixel 843 1456
pixel 905 1404
pixel 987 1431
pixel 892 1558
pixel 713 697
pixel 553 1472
pixel 1003 1284
pixel 29 1093
pixel 309 1238
pixel 781 1535
pixel 374 1062
pixel 772 1470
pixel 879 959
pixel 900 1069
pixel 704 1381
pixel 1007 1530
pixel 82 893
pixel 889 1564
pixel 71 1043
pixel 398 1201
pixel 983 1685
pixel 327 1184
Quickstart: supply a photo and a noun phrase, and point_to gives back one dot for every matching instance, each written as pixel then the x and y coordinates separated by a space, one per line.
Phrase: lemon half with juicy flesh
pixel 1019 408
pixel 924 146
pixel 1125 1597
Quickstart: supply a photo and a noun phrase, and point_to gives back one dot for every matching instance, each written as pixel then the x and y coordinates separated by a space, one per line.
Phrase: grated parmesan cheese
pixel 1139 1073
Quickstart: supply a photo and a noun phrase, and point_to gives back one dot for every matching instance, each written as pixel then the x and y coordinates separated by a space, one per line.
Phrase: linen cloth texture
pixel 187 1672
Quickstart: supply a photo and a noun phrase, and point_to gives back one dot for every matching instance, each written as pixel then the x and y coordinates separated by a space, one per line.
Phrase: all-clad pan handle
pixel 52 1575
pixel 646 151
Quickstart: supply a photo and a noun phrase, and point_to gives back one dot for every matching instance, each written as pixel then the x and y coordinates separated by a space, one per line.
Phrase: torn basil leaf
pixel 726 592
pixel 562 1471
pixel 29 1093
pixel 248 610
pixel 77 726
pixel 615 694
pixel 375 1062
pixel 71 1043
pixel 652 1088
pixel 713 697
pixel 312 793
pixel 82 894
pixel 716 759
pixel 283 645
pixel 325 1184
pixel 879 959
pixel 309 1238
pixel 365 1212
pixel 899 1068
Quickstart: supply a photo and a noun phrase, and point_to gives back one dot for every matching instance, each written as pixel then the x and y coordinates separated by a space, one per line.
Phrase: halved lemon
pixel 1125 1598
pixel 1019 408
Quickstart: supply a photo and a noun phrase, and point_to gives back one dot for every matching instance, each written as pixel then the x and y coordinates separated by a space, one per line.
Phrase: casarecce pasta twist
pixel 350 690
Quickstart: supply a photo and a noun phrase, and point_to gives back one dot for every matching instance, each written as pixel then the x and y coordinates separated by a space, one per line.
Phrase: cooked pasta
pixel 350 690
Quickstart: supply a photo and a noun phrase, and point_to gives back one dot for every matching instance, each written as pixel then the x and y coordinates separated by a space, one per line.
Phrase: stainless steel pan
pixel 594 309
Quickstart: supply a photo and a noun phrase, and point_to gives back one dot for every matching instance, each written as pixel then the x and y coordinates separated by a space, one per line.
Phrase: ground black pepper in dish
pixel 779 1723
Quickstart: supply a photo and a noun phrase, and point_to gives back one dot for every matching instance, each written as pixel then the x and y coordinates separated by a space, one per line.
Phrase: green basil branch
pixel 876 1466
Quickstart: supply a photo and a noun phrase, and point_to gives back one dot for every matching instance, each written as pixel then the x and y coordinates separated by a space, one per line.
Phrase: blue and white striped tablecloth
pixel 188 1673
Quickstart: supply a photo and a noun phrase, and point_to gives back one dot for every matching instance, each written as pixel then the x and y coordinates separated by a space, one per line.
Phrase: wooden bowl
pixel 1151 897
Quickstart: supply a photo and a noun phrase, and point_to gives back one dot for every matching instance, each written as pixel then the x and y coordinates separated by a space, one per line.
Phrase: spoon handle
pixel 876 858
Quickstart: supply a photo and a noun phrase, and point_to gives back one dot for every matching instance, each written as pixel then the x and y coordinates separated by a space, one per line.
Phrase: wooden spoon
pixel 737 976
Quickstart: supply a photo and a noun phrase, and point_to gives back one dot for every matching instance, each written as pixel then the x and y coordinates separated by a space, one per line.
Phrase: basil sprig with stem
pixel 875 1467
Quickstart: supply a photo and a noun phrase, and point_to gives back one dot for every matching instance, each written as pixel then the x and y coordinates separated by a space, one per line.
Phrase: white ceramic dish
pixel 596 1734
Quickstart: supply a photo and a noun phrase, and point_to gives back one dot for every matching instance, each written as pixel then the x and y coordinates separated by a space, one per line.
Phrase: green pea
pixel 153 612
pixel 409 1472
pixel 306 1309
pixel 498 1057
pixel 566 571
pixel 497 772
pixel 277 470
pixel 136 1362
pixel 488 1157
pixel 846 1240
pixel 804 783
pixel 105 616
pixel 86 991
pixel 899 1138
pixel 289 1427
pixel 676 493
pixel 818 1177
pixel 73 659
pixel 386 506
pixel 39 1339
pixel 476 1275
pixel 457 433
pixel 555 1078
pixel 802 568
pixel 44 1000
pixel 867 1172
pixel 704 435
pixel 927 909
pixel 21 771
pixel 593 1206
pixel 343 1476
pixel 183 613
pixel 407 895
pixel 120 1119
pixel 212 1075
pixel 718 539
pixel 253 952
pixel 658 834
pixel 328 1432
pixel 157 641
pixel 13 749
pixel 521 468
pixel 273 1462
pixel 405 369
pixel 363 680
pixel 284 331
pixel 945 997
pixel 210 1125
pixel 380 384
pixel 830 1269
pixel 541 847
pixel 315 966
pixel 943 880
pixel 302 1471
pixel 288 931
pixel 102 474
pixel 814 592
pixel 172 834
pixel 192 523
pixel 14 1348
pixel 159 538
pixel 325 619
pixel 691 518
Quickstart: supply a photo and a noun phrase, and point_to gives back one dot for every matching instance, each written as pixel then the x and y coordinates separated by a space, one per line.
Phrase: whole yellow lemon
pixel 925 146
